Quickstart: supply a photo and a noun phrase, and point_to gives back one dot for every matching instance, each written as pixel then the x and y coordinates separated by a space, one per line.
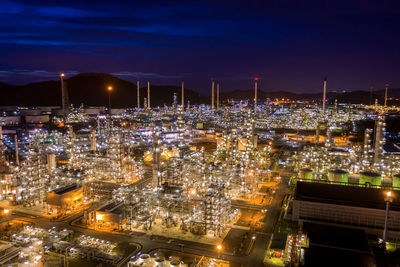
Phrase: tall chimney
pixel 217 95
pixel 255 93
pixel 62 96
pixel 386 93
pixel 324 97
pixel 148 94
pixel 183 94
pixel 138 93
pixel 212 93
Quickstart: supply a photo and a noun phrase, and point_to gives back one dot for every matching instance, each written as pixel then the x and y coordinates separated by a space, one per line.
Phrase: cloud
pixel 145 75
pixel 35 73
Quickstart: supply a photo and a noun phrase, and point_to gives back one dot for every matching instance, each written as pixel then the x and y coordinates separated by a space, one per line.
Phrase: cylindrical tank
pixel 370 178
pixel 159 262
pixel 306 174
pixel 396 181
pixel 144 259
pixel 338 176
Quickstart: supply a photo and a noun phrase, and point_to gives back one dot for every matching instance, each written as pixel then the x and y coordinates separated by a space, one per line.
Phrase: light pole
pixel 388 199
pixel 109 89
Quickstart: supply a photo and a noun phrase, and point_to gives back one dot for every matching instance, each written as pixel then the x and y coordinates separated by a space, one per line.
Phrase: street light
pixel 109 89
pixel 219 249
pixel 388 199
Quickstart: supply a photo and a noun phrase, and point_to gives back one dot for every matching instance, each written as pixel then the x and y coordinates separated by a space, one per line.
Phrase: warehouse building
pixel 351 206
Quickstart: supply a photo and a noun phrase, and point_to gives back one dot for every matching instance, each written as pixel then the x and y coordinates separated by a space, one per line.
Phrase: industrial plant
pixel 217 175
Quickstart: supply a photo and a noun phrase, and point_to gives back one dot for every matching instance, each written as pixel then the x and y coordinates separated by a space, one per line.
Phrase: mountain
pixel 90 89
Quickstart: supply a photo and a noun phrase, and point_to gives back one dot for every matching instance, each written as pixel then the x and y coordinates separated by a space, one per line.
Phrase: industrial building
pixel 64 198
pixel 349 206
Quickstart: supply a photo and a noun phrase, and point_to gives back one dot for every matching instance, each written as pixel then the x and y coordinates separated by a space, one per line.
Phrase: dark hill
pixel 90 89
pixel 356 97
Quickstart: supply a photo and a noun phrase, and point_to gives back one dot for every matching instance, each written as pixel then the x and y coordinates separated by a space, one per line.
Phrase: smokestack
pixel 148 94
pixel 62 96
pixel 16 150
pixel 183 94
pixel 217 95
pixel 138 94
pixel 255 93
pixel 212 94
pixel 386 93
pixel 324 97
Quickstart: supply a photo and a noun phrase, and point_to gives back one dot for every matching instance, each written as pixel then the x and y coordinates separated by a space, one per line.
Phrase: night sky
pixel 289 45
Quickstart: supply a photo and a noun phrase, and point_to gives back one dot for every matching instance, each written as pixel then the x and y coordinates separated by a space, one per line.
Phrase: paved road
pixel 149 243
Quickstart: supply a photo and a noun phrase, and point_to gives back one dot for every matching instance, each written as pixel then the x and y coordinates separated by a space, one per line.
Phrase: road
pixel 149 243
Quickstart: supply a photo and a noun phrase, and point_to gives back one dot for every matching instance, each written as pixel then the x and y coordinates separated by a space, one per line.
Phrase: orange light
pixel 62 74
pixel 109 88
pixel 219 247
pixel 193 192
pixel 389 193
pixel 6 211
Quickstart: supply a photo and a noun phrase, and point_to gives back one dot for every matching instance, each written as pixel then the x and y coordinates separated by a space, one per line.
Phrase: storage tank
pixel 338 176
pixel 396 181
pixel 159 262
pixel 144 259
pixel 306 174
pixel 370 178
